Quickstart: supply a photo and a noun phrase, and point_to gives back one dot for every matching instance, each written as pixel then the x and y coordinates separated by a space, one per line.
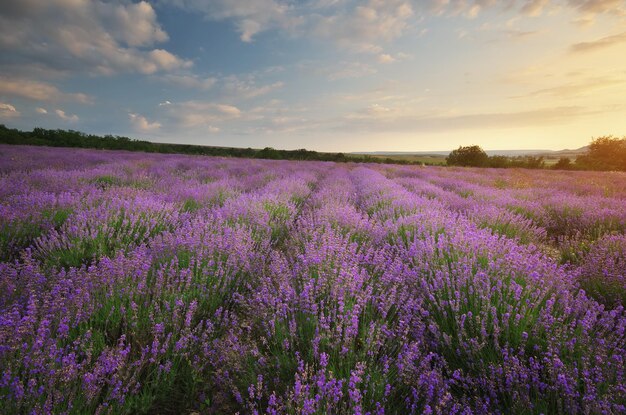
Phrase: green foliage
pixel 473 156
pixel 564 163
pixel 499 161
pixel 119 234
pixel 280 217
pixel 610 293
pixel 605 153
pixel 191 205
pixel 16 236
pixel 107 181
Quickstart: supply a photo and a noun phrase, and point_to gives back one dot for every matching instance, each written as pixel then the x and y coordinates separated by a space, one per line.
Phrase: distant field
pixel 135 283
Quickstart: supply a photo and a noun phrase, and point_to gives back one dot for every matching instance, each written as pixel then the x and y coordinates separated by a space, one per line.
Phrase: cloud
pixel 94 37
pixel 389 58
pixel 366 27
pixel 200 114
pixel 597 6
pixel 516 34
pixel 598 44
pixel 526 7
pixel 230 88
pixel 353 25
pixel 134 24
pixel 40 110
pixel 38 91
pixel 276 117
pixel 246 88
pixel 66 117
pixel 8 111
pixel 385 58
pixel 190 81
pixel 397 117
pixel 579 88
pixel 250 17
pixel 378 118
pixel 534 7
pixel 160 59
pixel 141 123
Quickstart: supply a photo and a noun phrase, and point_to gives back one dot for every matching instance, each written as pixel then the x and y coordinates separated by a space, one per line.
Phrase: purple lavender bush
pixel 147 283
pixel 602 272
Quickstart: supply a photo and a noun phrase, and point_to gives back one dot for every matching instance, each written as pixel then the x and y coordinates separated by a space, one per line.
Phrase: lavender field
pixel 146 283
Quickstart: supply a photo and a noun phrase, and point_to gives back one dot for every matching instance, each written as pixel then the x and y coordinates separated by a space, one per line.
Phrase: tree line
pixel 604 153
pixel 71 138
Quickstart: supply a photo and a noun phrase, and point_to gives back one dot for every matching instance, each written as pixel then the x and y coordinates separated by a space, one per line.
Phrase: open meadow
pixel 149 283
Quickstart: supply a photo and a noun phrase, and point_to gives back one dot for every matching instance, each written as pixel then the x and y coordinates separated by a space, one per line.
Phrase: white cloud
pixel 134 24
pixel 386 58
pixel 141 123
pixel 96 37
pixel 8 111
pixel 200 114
pixel 389 58
pixel 41 110
pixel 164 60
pixel 38 91
pixel 66 117
pixel 366 26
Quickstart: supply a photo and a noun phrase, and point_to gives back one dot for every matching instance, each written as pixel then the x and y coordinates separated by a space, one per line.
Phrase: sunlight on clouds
pixel 189 81
pixel 251 17
pixel 94 36
pixel 39 91
pixel 598 44
pixel 266 72
pixel 8 111
pixel 386 58
pixel 193 114
pixel 141 123
pixel 66 117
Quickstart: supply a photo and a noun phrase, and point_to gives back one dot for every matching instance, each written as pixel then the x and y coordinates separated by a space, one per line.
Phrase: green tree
pixel 499 161
pixel 468 156
pixel 564 163
pixel 605 153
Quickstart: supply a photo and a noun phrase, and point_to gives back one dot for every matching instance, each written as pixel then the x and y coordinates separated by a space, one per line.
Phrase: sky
pixel 326 75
